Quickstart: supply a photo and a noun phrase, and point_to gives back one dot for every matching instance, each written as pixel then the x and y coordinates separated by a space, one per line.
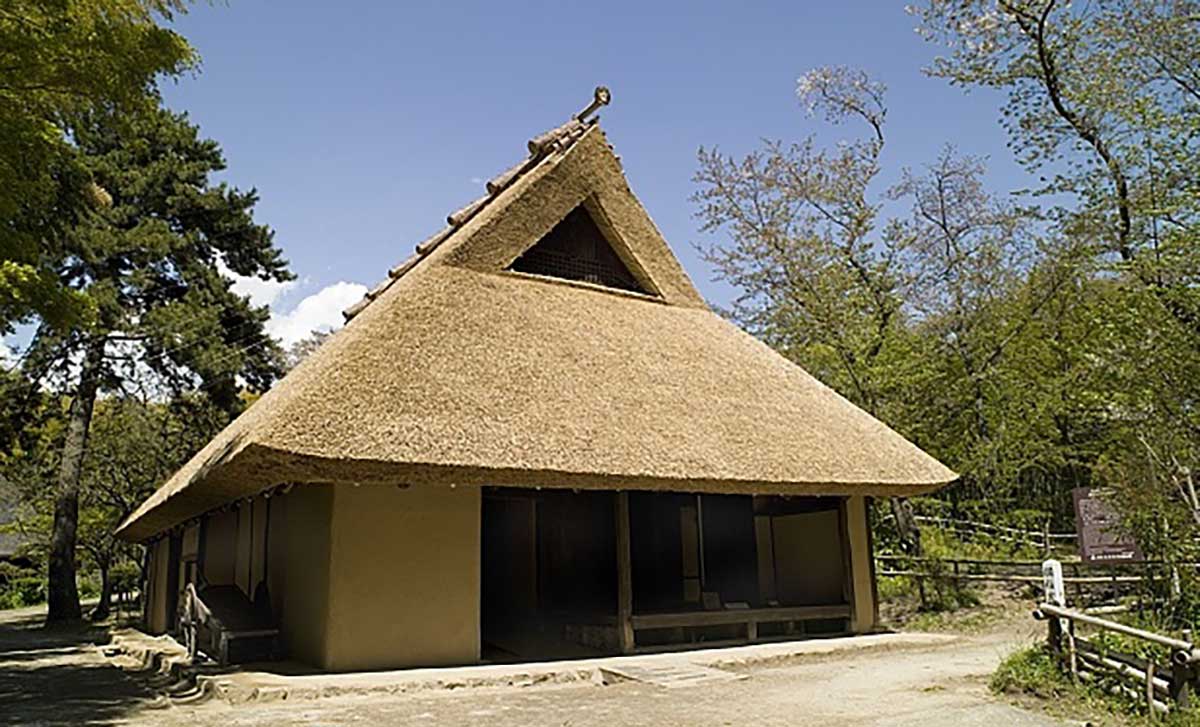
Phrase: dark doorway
pixel 549 574
pixel 686 546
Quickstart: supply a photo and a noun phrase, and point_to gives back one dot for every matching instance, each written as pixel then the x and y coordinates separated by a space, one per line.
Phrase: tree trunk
pixel 104 608
pixel 62 593
pixel 909 535
pixel 906 526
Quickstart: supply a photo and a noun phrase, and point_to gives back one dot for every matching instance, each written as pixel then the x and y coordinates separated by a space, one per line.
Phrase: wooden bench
pixel 226 625
pixel 751 617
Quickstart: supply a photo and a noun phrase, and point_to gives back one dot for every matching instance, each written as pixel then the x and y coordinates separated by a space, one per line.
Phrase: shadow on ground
pixel 52 677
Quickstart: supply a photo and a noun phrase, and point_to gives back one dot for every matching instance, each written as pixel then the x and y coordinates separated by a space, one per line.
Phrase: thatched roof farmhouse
pixel 535 419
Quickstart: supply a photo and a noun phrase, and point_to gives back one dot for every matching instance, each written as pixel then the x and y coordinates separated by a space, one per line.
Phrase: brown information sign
pixel 1100 537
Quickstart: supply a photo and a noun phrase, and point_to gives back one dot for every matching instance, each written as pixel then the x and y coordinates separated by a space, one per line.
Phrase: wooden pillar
pixel 624 575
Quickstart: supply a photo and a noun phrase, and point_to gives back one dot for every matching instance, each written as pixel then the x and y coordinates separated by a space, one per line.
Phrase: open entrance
pixel 549 582
pixel 699 570
pixel 730 568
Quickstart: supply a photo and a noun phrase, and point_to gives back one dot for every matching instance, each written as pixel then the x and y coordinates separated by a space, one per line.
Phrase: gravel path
pixel 49 678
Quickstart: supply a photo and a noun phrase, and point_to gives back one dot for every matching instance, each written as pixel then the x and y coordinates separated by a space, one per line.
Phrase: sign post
pixel 1100 537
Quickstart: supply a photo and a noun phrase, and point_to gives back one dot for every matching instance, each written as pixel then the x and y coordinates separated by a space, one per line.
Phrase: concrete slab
pixel 281 682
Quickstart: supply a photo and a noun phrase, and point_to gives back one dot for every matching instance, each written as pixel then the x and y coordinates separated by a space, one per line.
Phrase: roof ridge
pixel 555 141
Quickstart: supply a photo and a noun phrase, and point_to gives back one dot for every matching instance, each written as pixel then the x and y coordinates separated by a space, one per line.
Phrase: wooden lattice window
pixel 576 249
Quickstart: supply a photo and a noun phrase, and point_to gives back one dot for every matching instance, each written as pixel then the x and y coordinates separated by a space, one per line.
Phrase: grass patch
pixel 1032 677
pixel 1030 671
pixel 975 619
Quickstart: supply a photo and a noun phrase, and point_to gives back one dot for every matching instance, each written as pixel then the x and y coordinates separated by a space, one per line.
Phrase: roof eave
pixel 258 469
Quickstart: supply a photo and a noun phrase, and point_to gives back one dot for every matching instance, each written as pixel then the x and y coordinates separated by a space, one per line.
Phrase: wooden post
pixel 1073 655
pixel 624 576
pixel 1150 690
pixel 1181 677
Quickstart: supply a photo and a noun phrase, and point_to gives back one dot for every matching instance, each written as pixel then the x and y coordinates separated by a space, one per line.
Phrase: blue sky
pixel 363 123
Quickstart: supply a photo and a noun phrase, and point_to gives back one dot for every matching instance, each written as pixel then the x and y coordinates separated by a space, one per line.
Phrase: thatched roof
pixel 457 371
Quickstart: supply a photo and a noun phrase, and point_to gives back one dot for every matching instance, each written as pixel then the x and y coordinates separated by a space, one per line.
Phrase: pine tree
pixel 151 265
pixel 59 58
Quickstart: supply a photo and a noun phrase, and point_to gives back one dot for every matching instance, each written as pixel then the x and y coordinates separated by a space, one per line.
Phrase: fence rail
pixel 1161 686
pixel 1041 539
pixel 1010 571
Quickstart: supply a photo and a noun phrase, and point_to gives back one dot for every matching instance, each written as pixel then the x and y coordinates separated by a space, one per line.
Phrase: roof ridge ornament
pixel 600 97
pixel 556 140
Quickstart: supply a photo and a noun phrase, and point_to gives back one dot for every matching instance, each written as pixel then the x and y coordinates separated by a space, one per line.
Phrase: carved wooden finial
pixel 600 97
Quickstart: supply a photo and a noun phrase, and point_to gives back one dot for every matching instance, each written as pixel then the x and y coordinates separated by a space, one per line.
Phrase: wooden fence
pixel 1006 571
pixel 1043 540
pixel 1160 684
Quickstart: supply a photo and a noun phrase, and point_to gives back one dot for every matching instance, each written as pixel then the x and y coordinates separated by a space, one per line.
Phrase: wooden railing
pixel 1161 686
pixel 1043 539
pixel 1003 571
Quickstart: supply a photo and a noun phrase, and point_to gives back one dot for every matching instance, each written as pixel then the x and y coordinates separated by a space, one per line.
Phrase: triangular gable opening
pixel 577 249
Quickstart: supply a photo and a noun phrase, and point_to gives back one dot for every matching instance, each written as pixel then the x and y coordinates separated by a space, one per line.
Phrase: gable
pixel 577 249
pixel 527 212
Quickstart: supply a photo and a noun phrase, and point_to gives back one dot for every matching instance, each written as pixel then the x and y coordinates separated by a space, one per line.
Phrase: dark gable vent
pixel 576 249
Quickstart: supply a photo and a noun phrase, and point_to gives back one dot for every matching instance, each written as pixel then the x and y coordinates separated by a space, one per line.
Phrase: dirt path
pixel 60 677
pixel 52 680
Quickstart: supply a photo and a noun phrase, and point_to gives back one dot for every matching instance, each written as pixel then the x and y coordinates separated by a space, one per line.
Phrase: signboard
pixel 1100 537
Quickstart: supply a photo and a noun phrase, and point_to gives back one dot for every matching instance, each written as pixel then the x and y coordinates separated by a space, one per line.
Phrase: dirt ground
pixel 62 678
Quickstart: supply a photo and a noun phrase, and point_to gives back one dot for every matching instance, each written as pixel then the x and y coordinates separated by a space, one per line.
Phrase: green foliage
pixel 21 591
pixel 60 59
pixel 1034 672
pixel 166 323
pixel 1031 671
pixel 125 576
pixel 1034 346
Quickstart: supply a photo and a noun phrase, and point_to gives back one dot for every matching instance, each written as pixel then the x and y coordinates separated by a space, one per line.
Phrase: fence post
pixel 1072 654
pixel 1150 690
pixel 1052 583
pixel 1181 677
pixel 1055 595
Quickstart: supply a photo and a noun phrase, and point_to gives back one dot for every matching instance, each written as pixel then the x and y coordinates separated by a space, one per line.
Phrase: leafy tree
pixel 815 282
pixel 915 317
pixel 134 446
pixel 58 59
pixel 1104 105
pixel 304 348
pixel 163 311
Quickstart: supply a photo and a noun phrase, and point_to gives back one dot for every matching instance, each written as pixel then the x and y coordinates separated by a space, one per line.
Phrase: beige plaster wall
pixel 404 577
pixel 302 570
pixel 862 618
pixel 156 602
pixel 808 563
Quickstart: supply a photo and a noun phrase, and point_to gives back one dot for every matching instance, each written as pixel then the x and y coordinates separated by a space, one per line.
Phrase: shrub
pixel 125 577
pixel 1031 670
pixel 25 590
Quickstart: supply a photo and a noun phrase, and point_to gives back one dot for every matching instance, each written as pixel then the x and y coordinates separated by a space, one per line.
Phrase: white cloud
pixel 261 292
pixel 8 359
pixel 320 311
